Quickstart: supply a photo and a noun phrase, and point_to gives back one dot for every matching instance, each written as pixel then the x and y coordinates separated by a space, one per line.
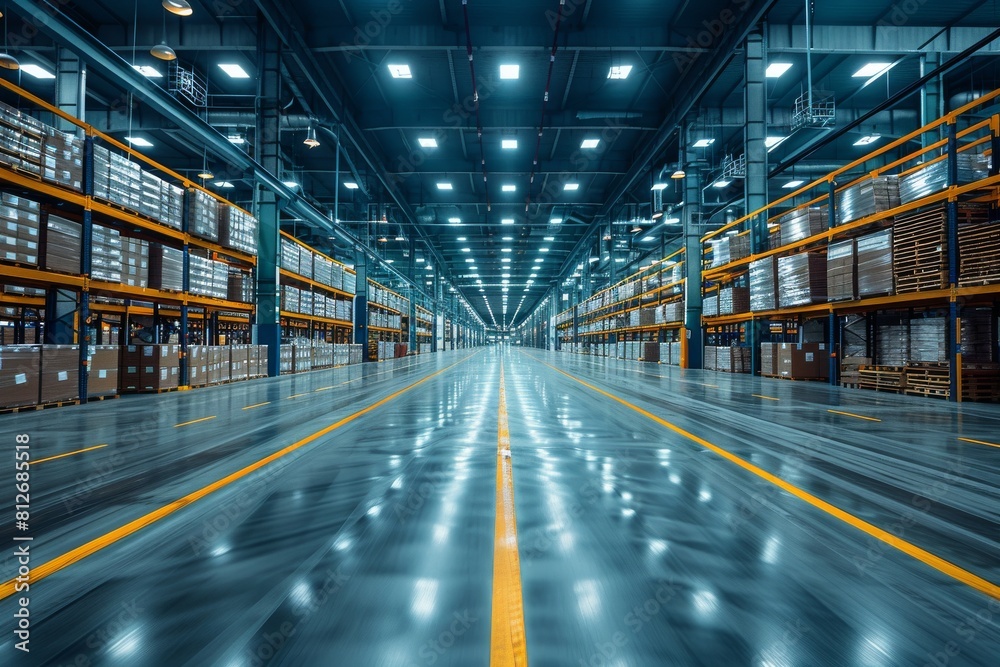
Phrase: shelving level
pixel 388 323
pixel 103 246
pixel 889 280
pixel 317 294
pixel 639 318
pixel 425 331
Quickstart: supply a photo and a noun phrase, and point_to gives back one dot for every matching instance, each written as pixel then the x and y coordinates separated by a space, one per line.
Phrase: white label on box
pixel 809 357
pixel 102 374
pixel 63 376
pixel 822 346
pixel 20 378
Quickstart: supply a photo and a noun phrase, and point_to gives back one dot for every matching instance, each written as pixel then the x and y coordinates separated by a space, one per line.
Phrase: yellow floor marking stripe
pixel 62 456
pixel 296 395
pixel 324 389
pixel 979 442
pixel 508 647
pixel 258 405
pixel 913 550
pixel 713 386
pixel 768 398
pixel 79 553
pixel 851 414
pixel 196 421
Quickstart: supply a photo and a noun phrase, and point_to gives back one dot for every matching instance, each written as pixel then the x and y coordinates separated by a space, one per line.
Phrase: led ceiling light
pixel 234 70
pixel 704 143
pixel 507 221
pixel 868 139
pixel 224 184
pixel 721 183
pixel 590 143
pixel 139 141
pixel 290 184
pixel 508 144
pixel 775 70
pixel 793 184
pixel 311 141
pixel 620 72
pixel 427 142
pixel 555 221
pixel 350 185
pixel 570 187
pixel 455 221
pixel 178 7
pixel 509 188
pixel 444 185
pixel 771 142
pixel 659 186
pixel 400 72
pixel 148 72
pixel 205 175
pixel 37 72
pixel 510 71
pixel 872 69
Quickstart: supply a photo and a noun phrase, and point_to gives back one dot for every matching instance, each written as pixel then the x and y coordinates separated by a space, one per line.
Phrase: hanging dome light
pixel 8 61
pixel 178 7
pixel 163 52
pixel 311 141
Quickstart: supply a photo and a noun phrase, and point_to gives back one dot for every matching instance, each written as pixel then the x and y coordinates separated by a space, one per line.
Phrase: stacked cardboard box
pixel 239 359
pixel 642 317
pixel 804 361
pixel 203 214
pixel 734 300
pixel 337 277
pixel 237 229
pixel 841 262
pixel 720 251
pixel 286 359
pixel 62 159
pixel 239 286
pixel 769 358
pixel 124 182
pixel 102 370
pixel 322 270
pixel 867 197
pixel 763 284
pixel 159 367
pixel 350 282
pixel 19 225
pixel 197 361
pixel 710 359
pixel 875 272
pixel 62 245
pixel 20 375
pixel 305 262
pixel 60 379
pixel 893 344
pixel 802 223
pixel 801 279
pixel 106 254
pixel 166 268
pixel 207 277
pixel 21 140
pixel 135 262
pixel 171 205
pixel 710 306
pixel 289 259
pixel 977 335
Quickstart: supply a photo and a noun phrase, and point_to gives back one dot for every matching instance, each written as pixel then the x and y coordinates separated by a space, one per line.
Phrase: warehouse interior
pixel 465 332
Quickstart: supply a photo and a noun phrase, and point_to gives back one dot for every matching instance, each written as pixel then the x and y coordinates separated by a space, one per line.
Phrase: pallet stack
pixel 978 248
pixel 881 378
pixel 920 251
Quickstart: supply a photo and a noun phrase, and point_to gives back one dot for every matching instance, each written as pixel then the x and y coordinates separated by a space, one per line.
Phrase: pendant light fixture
pixel 205 173
pixel 311 141
pixel 178 7
pixel 162 50
pixel 7 61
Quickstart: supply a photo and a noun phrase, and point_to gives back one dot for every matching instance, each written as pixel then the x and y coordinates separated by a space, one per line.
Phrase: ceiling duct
pixel 599 115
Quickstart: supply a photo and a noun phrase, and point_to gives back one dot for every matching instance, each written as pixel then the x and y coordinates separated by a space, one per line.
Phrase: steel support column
pixel 71 89
pixel 361 303
pixel 953 339
pixel 931 97
pixel 694 336
pixel 755 184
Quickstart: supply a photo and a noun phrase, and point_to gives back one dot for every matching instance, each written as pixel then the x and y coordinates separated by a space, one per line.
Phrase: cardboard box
pixel 20 374
pixel 804 361
pixel 60 379
pixel 102 371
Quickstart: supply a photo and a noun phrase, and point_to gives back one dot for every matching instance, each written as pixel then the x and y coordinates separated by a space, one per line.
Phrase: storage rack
pixel 425 331
pixel 317 294
pixel 75 300
pixel 945 264
pixel 388 322
pixel 646 307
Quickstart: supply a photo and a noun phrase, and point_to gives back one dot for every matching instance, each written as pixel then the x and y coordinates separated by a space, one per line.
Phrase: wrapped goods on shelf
pixel 237 229
pixel 19 230
pixel 124 182
pixel 223 364
pixel 286 359
pixel 135 262
pixel 875 262
pixel 150 191
pixel 801 279
pixel 920 251
pixel 710 306
pixel 711 358
pixel 62 245
pixel 239 359
pixel 102 370
pixel 203 214
pixel 675 353
pixel 305 262
pixel 977 334
pixel 724 359
pixel 20 375
pixel 720 251
pixel 220 279
pixel 769 358
pixel 927 340
pixel 102 173
pixel 893 345
pixel 262 353
pixel 934 177
pixel 739 247
pixel 841 262
pixel 322 270
pixel 21 140
pixel 166 268
pixel 867 197
pixel 642 317
pixel 60 379
pixel 208 277
pixel 345 311
pixel 978 247
pixel 802 223
pixel 734 300
pixel 763 284
pixel 106 254
pixel 290 298
pixel 306 302
pixel 338 277
pixel 62 159
pixel 239 286
pixel 171 205
pixel 289 258
pixel 665 357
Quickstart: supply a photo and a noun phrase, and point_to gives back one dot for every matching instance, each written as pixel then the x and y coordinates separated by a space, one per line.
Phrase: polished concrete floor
pixel 369 540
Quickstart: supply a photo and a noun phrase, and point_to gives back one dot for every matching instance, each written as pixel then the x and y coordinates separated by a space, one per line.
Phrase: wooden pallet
pixel 106 397
pixel 38 406
pixel 881 378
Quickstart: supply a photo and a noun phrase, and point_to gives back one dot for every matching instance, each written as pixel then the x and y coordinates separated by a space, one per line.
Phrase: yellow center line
pixel 508 647
pixel 203 419
pixel 713 386
pixel 62 456
pixel 924 556
pixel 258 405
pixel 979 442
pixel 323 389
pixel 297 396
pixel 851 414
pixel 767 398
pixel 79 553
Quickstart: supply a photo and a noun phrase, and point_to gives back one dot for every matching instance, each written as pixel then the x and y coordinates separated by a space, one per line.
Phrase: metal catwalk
pixel 656 517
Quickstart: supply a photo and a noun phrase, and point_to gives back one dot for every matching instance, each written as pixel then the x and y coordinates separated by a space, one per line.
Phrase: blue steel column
pixel 361 302
pixel 86 254
pixel 931 98
pixel 414 343
pixel 186 286
pixel 952 338
pixel 755 184
pixel 268 311
pixel 693 261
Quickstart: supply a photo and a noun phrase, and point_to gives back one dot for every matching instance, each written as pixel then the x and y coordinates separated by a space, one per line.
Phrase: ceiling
pixel 508 231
